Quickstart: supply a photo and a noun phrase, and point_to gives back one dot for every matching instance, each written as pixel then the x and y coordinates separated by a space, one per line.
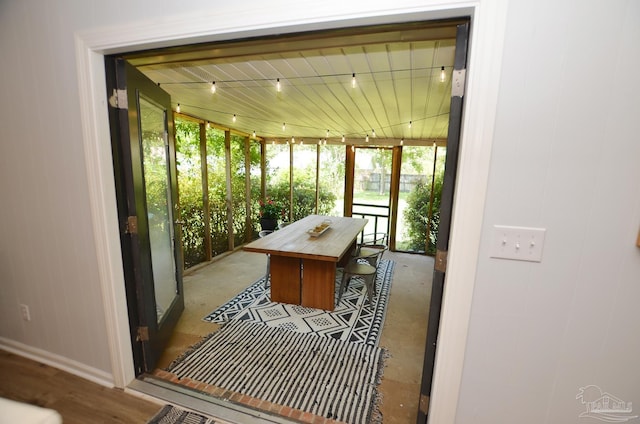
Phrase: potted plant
pixel 270 212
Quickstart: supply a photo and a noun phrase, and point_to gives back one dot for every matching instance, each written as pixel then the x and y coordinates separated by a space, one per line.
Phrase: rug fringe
pixel 375 414
pixel 190 349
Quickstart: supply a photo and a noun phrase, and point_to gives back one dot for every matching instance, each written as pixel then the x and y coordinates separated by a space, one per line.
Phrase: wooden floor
pixel 79 401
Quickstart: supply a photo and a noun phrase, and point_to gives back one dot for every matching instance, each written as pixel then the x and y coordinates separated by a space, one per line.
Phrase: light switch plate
pixel 518 243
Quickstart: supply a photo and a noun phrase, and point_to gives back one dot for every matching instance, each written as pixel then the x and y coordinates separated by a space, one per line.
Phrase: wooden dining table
pixel 303 265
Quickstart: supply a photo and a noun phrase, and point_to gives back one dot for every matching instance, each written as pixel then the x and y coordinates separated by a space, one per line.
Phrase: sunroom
pixel 349 123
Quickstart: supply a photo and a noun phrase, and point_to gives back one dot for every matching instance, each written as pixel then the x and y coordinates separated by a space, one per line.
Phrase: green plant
pixel 270 209
pixel 417 216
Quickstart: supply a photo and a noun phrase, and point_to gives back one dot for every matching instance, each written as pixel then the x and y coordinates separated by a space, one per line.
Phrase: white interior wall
pixel 564 158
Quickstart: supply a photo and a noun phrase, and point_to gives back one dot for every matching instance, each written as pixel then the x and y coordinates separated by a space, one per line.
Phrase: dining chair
pixel 371 239
pixel 365 267
pixel 267 276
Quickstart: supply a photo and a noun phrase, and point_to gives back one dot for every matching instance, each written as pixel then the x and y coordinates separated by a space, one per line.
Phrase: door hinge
pixel 441 260
pixel 457 82
pixel 118 99
pixel 132 225
pixel 143 334
pixel 424 404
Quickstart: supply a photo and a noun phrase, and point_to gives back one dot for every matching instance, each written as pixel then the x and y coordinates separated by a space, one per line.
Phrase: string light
pixel 401 141
pixel 293 140
pixel 319 142
pixel 278 88
pixel 443 75
pixel 353 80
pixel 353 148
pixel 213 87
pixel 234 118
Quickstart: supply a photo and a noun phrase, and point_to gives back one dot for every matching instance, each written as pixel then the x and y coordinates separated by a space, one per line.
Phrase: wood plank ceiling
pixel 398 93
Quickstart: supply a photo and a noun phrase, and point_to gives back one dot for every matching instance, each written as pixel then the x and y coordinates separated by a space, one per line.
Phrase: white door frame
pixel 481 94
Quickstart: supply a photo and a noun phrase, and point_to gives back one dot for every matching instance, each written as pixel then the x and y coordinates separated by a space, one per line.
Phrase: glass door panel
pixel 146 192
pixel 156 177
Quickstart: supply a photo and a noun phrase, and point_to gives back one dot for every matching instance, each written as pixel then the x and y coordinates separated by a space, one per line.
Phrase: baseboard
pixel 60 362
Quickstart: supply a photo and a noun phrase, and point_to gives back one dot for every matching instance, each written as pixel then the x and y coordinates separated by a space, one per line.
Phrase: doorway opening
pixel 366 205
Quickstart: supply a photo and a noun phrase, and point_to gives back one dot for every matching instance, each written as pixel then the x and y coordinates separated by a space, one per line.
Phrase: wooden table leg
pixel 318 284
pixel 285 279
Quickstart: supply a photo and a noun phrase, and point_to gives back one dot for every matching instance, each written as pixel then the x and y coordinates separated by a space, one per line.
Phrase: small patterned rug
pixel 325 377
pixel 170 414
pixel 353 320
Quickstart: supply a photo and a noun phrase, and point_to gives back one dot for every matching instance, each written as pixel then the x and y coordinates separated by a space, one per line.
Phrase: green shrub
pixel 304 195
pixel 417 215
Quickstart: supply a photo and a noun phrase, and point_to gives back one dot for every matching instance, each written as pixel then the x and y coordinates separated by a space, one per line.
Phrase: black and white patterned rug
pixel 353 320
pixel 170 414
pixel 319 375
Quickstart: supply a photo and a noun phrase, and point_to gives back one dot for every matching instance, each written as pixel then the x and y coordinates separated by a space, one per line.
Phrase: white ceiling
pixel 397 82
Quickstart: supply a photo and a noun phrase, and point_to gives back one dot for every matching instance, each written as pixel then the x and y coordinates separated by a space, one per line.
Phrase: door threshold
pixel 190 399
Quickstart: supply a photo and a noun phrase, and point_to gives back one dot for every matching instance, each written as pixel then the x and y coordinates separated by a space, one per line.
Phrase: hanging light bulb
pixel 327 133
pixel 319 142
pixel 234 117
pixel 353 148
pixel 373 132
pixel 443 75
pixel 208 124
pixel 367 138
pixel 278 87
pixel 213 87
pixel 409 124
pixel 353 80
pixel 325 142
pixel 301 141
pixel 401 141
pixel 343 138
pixel 284 126
pixel 254 133
pixel 293 140
pixel 178 108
